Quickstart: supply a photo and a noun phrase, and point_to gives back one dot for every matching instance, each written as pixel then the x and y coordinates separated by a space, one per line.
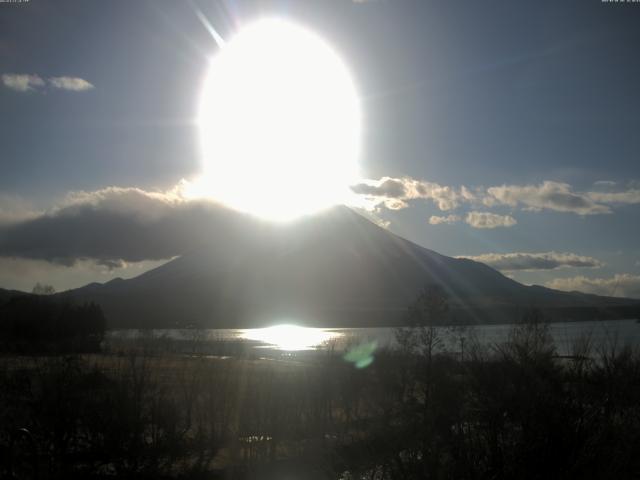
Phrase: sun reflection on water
pixel 290 337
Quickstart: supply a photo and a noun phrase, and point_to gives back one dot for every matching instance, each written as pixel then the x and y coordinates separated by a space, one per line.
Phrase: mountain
pixel 332 269
pixel 5 295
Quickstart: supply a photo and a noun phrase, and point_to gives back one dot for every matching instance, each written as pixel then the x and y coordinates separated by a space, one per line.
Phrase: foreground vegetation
pixel 422 410
pixel 512 411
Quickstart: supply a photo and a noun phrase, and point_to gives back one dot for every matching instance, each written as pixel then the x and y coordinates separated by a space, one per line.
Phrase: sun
pixel 279 123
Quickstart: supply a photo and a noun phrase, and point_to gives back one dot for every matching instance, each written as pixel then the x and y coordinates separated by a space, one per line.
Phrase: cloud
pixel 74 84
pixel 548 195
pixel 445 197
pixel 628 197
pixel 604 184
pixel 14 208
pixel 510 262
pixel 489 220
pixel 394 193
pixel 397 193
pixel 449 219
pixel 476 220
pixel 620 285
pixel 389 192
pixel 386 187
pixel 23 274
pixel 116 225
pixel 22 82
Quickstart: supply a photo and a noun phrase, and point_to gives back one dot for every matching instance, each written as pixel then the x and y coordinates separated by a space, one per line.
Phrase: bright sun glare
pixel 279 123
pixel 290 337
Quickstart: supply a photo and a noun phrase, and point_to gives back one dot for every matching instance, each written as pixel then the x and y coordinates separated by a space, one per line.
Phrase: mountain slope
pixel 336 268
pixel 5 295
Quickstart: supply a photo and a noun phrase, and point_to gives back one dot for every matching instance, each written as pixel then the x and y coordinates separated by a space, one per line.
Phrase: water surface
pixel 293 338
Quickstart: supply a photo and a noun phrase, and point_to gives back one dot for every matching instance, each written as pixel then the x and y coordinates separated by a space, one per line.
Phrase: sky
pixel 506 132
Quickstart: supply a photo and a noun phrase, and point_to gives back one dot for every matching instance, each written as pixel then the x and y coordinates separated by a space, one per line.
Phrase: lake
pixel 292 338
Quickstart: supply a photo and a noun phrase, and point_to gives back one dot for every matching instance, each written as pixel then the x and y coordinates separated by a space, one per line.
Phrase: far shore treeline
pixel 42 323
pixel 37 321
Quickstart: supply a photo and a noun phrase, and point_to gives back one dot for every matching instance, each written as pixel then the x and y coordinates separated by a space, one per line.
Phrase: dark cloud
pixel 389 188
pixel 394 193
pixel 115 225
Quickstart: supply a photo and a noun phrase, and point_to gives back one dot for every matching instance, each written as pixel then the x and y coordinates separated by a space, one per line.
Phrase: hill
pixel 5 295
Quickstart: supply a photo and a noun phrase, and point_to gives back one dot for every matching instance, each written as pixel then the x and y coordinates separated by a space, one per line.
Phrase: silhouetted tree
pixel 43 289
pixel 428 311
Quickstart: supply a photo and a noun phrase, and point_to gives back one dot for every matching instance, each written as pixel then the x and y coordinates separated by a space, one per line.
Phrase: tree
pixel 43 289
pixel 424 315
pixel 530 339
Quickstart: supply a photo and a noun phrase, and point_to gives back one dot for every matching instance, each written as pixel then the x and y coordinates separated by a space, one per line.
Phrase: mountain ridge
pixel 333 269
